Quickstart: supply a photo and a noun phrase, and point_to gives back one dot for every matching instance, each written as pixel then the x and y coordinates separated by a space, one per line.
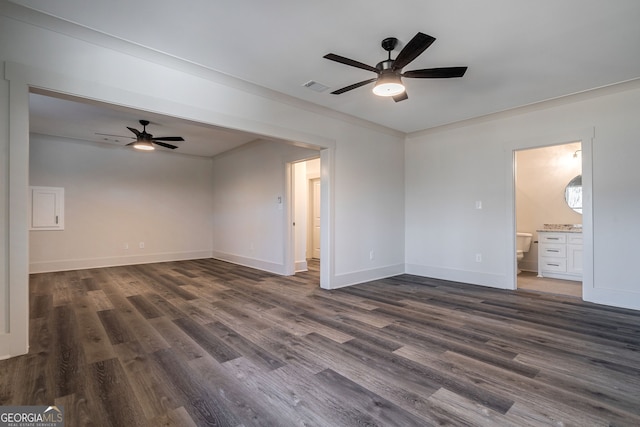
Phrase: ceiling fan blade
pixel 116 136
pixel 401 97
pixel 168 138
pixel 436 73
pixel 136 131
pixel 351 62
pixel 353 86
pixel 162 144
pixel 418 44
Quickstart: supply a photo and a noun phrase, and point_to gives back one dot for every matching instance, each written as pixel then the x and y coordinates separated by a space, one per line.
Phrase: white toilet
pixel 523 243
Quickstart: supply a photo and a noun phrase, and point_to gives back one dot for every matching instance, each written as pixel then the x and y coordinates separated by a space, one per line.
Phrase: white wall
pixel 369 195
pixel 541 177
pixel 448 169
pixel 117 197
pixel 250 204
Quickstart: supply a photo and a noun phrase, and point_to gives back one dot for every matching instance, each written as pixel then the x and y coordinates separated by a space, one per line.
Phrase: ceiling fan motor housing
pixel 385 65
pixel 389 43
pixel 144 140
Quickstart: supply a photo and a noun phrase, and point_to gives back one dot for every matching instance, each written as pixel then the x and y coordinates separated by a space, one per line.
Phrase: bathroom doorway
pixel 544 190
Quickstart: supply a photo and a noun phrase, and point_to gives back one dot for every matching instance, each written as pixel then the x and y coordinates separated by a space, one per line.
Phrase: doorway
pixel 543 212
pixel 307 217
pixel 313 246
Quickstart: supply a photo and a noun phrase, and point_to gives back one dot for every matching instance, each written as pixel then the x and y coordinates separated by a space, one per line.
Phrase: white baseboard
pixel 612 297
pixel 79 264
pixel 356 277
pixel 462 276
pixel 301 266
pixel 258 264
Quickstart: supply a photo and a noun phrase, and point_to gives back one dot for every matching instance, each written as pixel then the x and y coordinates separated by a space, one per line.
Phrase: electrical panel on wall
pixel 47 208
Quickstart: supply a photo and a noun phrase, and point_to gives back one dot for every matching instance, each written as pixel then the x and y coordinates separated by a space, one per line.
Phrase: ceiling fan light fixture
pixel 143 146
pixel 389 84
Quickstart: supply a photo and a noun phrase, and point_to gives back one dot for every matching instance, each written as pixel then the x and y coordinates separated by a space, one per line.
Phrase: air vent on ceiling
pixel 315 86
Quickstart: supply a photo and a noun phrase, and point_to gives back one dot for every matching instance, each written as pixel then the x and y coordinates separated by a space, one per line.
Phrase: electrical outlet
pixel 126 246
pixel 478 257
pixel 371 255
pixel 141 245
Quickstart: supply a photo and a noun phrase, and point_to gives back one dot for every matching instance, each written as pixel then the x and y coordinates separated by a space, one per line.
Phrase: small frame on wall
pixel 47 208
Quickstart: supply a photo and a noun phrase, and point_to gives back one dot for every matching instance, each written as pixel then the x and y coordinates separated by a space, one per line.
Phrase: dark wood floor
pixel 209 343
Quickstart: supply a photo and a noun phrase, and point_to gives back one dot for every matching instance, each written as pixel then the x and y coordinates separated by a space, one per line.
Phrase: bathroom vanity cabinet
pixel 560 255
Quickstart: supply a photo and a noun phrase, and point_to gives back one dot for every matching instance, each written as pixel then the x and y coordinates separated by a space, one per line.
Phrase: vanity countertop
pixel 561 228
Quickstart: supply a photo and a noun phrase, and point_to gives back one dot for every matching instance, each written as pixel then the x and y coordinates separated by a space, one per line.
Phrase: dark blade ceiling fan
pixel 389 82
pixel 145 141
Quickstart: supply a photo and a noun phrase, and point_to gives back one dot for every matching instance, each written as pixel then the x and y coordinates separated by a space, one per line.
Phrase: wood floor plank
pixel 178 417
pixel 206 339
pixel 320 398
pixel 114 326
pixel 294 350
pixel 207 342
pixel 299 325
pixel 386 412
pixel 338 308
pixel 412 397
pixel 391 362
pixel 285 398
pixel 240 397
pixel 178 340
pixel 147 381
pixel 146 308
pixel 534 393
pixel 492 356
pixel 165 306
pixel 95 343
pixel 202 403
pixel 356 329
pixel 245 347
pixel 76 412
pixel 100 300
pixel 200 311
pixel 108 386
pixel 452 409
pixel 69 359
pixel 138 326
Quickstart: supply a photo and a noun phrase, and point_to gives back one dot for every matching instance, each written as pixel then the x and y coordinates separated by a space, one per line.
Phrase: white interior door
pixel 315 219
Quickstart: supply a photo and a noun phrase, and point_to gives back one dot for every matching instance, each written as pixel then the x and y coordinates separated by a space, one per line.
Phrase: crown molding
pixel 536 106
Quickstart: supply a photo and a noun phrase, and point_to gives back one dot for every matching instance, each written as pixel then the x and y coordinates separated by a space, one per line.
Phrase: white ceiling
pixel 52 114
pixel 518 52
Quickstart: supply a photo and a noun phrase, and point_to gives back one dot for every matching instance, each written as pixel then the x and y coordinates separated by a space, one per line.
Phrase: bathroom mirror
pixel 573 194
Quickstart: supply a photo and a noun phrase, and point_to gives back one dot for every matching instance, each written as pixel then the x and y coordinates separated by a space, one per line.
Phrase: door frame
pixel 586 137
pixel 326 267
pixel 310 220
